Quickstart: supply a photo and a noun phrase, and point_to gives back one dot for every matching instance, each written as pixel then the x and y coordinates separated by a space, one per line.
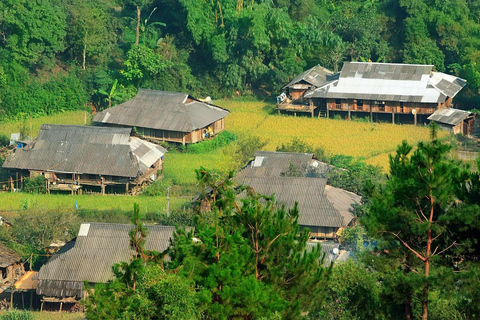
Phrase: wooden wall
pixel 377 106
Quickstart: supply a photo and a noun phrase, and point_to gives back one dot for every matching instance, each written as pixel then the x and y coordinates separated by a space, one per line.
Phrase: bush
pixel 4 140
pixel 35 185
pixel 222 139
pixel 301 146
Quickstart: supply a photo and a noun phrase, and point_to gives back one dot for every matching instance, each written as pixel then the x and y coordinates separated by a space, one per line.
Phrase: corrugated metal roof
pixel 96 250
pixel 162 110
pixel 87 150
pixel 316 76
pixel 390 82
pixel 342 200
pixel 327 248
pixel 450 116
pixel 78 149
pixel 146 152
pixel 274 164
pixel 314 207
pixel 7 256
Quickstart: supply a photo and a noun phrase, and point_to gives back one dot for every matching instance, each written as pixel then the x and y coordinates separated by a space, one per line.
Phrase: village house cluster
pixel 121 153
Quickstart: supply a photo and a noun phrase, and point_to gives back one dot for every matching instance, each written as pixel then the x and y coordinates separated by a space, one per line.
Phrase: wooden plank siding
pixel 321 232
pixel 396 107
pixel 182 137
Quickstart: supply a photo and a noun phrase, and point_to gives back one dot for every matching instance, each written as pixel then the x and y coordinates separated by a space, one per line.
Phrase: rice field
pixel 371 142
pixel 13 202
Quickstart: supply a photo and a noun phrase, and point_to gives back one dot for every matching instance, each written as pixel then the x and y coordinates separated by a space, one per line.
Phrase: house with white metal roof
pixel 387 91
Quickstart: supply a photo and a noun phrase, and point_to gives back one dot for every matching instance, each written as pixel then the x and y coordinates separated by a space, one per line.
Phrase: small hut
pixel 454 120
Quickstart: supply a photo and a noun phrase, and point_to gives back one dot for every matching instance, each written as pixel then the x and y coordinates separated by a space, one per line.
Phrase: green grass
pixel 11 203
pixel 33 125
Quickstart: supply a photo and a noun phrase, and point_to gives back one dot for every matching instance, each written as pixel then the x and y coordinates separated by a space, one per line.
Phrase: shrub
pixel 222 139
pixel 35 185
pixel 4 140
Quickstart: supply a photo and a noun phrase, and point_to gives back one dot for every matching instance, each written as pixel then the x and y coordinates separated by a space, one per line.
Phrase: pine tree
pixel 408 212
pixel 251 261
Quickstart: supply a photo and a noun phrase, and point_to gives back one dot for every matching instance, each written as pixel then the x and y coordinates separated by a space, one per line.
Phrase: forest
pixel 58 55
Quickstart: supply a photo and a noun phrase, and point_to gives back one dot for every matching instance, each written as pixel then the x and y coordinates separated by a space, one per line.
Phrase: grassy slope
pixel 69 117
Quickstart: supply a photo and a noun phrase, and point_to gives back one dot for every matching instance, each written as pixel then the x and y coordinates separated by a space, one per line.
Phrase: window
pixel 338 103
pixel 360 104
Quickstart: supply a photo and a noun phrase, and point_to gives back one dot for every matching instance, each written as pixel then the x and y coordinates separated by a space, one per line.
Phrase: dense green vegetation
pixel 60 55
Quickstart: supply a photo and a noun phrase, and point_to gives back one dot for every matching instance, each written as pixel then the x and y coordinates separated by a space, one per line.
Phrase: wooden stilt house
pixel 95 158
pixel 166 116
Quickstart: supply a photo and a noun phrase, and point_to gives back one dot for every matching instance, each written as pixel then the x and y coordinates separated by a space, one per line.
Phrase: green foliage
pixel 4 140
pixel 35 185
pixel 142 63
pixel 17 315
pixel 301 146
pixel 35 97
pixel 223 139
pixel 352 293
pixel 350 174
pixel 251 260
pixel 408 214
pixel 242 151
pixel 33 32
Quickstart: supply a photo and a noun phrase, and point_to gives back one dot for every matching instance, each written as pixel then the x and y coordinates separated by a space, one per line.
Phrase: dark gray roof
pixel 327 248
pixel 390 82
pixel 97 248
pixel 450 116
pixel 315 209
pixel 342 200
pixel 8 256
pixel 172 111
pixel 316 76
pixel 274 164
pixel 83 149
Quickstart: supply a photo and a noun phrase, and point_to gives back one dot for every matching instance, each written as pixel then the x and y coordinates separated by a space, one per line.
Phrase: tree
pixel 409 210
pixel 33 31
pixel 141 288
pixel 89 32
pixel 251 261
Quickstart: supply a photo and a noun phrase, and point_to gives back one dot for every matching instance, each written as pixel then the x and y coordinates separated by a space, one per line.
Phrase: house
pixel 11 267
pixel 96 158
pixel 292 100
pixel 322 209
pixel 400 93
pixel 166 116
pixel 277 164
pixel 90 257
pixel 454 120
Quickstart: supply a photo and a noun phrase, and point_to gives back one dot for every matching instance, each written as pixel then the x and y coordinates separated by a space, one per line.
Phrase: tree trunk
pixel 137 28
pixel 427 260
pixel 84 53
